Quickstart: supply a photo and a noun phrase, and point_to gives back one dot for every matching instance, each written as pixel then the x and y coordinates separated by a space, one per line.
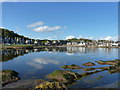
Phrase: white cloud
pixel 109 38
pixel 101 38
pixel 35 24
pixel 1 27
pixel 86 37
pixel 46 28
pixel 52 37
pixel 70 37
pixel 95 38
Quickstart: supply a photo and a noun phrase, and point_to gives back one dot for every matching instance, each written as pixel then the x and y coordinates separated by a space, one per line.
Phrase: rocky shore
pixel 9 76
pixel 65 78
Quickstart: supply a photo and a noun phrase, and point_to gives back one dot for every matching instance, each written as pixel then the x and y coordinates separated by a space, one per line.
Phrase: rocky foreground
pixel 65 78
pixel 9 76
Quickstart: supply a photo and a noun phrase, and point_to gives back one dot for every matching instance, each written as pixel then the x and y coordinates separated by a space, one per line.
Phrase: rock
pixel 110 62
pixel 64 76
pixel 51 85
pixel 37 82
pixel 89 69
pixel 9 76
pixel 89 64
pixel 104 68
pixel 73 66
pixel 99 77
pixel 89 73
pixel 114 69
pixel 86 74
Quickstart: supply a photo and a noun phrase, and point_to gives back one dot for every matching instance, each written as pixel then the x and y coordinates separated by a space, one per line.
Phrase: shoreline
pixel 37 47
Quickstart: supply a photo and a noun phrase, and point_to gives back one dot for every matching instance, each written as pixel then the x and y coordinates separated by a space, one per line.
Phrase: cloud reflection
pixel 45 61
pixel 35 65
pixel 39 62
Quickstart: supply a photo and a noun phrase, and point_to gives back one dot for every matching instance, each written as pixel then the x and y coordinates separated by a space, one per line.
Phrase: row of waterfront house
pixel 94 43
pixel 18 40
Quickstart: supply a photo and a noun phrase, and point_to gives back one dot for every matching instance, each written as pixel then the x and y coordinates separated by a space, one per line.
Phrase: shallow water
pixel 37 63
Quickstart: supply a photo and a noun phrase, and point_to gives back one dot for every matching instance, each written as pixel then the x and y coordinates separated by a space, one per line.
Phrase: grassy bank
pixel 15 46
pixel 23 46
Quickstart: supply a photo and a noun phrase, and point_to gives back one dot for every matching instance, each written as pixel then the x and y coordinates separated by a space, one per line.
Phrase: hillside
pixel 10 34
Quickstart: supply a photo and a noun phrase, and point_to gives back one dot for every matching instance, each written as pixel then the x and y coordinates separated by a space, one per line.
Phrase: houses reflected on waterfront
pixel 81 50
pixel 10 54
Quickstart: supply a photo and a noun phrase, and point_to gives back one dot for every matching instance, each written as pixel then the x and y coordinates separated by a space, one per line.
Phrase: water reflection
pixel 39 62
pixel 45 61
pixel 9 54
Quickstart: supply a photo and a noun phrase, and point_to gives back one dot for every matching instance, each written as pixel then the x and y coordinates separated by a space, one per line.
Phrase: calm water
pixel 37 63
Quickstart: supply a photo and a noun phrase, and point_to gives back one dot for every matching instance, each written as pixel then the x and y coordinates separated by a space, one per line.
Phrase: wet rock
pixel 64 76
pixel 114 69
pixel 37 82
pixel 99 77
pixel 9 76
pixel 89 69
pixel 104 68
pixel 51 85
pixel 89 64
pixel 73 66
pixel 86 74
pixel 90 73
pixel 110 62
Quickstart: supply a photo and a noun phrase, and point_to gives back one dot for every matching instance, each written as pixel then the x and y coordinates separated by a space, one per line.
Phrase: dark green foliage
pixel 10 34
pixel 81 39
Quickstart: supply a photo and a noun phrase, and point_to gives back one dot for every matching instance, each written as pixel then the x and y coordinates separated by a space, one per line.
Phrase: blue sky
pixel 59 20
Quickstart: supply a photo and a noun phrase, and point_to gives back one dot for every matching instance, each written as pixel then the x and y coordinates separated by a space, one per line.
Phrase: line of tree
pixel 10 34
pixel 81 39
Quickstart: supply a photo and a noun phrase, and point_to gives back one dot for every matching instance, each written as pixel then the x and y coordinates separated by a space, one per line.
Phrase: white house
pixel 115 44
pixel 81 43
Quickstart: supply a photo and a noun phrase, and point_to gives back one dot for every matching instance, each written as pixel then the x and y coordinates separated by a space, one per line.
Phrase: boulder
pixel 88 64
pixel 73 66
pixel 110 62
pixel 9 76
pixel 89 69
pixel 64 76
pixel 50 85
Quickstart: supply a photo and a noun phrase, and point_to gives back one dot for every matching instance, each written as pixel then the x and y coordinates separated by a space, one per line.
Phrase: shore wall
pixel 37 47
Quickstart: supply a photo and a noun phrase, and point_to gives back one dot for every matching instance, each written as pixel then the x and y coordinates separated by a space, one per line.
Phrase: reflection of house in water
pixel 10 54
pixel 80 50
pixel 69 53
pixel 76 50
pixel 56 49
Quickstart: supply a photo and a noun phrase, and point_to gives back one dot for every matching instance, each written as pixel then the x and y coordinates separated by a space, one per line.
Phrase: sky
pixel 59 0
pixel 62 20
